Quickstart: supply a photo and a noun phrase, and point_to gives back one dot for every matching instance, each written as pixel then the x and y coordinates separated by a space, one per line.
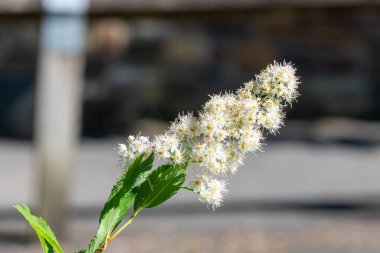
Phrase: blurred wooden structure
pixel 141 6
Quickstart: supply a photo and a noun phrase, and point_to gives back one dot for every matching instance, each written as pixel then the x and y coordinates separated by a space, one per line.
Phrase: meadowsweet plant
pixel 197 153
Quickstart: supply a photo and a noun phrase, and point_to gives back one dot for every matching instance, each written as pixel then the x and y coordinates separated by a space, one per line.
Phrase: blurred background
pixel 77 77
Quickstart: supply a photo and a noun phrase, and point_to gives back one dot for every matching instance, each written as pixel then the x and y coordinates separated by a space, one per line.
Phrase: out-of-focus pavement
pixel 294 197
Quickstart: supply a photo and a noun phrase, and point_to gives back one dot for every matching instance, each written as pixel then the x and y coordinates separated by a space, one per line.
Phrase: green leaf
pixel 120 199
pixel 47 238
pixel 46 246
pixel 160 185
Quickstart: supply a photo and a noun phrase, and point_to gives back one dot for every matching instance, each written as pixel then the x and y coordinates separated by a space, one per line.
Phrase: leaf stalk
pixel 117 232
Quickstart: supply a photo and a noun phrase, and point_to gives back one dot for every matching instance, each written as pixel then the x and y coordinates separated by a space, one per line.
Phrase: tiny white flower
pixel 271 120
pixel 122 150
pixel 140 144
pixel 220 135
pixel 177 157
pixel 183 127
pixel 216 104
pixel 198 184
pixel 159 148
pixel 213 192
pixel 165 145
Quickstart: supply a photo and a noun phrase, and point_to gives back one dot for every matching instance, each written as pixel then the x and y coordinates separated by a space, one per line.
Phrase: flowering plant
pixel 197 153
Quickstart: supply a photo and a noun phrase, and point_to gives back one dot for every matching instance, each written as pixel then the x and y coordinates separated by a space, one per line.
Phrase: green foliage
pixel 122 195
pixel 137 184
pixel 160 185
pixel 47 238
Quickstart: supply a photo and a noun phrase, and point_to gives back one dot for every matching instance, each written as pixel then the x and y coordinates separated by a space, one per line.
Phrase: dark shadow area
pixel 346 208
pixel 341 207
pixel 349 142
pixel 15 238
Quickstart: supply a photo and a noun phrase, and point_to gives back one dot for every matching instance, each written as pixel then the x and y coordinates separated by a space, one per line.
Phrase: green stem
pixel 187 188
pixel 117 232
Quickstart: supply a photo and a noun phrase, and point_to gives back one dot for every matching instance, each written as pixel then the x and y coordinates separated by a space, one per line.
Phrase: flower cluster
pixel 229 126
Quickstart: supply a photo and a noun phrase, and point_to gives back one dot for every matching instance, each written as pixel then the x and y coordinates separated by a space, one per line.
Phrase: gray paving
pixel 294 197
pixel 285 171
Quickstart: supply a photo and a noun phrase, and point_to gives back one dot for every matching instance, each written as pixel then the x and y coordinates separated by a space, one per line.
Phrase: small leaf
pixel 44 232
pixel 160 185
pixel 120 199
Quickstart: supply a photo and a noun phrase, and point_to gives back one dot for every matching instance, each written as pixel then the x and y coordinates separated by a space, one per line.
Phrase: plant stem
pixel 187 188
pixel 112 236
pixel 128 222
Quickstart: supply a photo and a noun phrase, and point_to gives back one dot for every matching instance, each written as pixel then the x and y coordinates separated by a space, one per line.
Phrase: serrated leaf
pixel 47 238
pixel 120 199
pixel 160 185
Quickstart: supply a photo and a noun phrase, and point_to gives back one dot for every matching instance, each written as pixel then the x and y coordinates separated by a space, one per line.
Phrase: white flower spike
pixel 229 126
